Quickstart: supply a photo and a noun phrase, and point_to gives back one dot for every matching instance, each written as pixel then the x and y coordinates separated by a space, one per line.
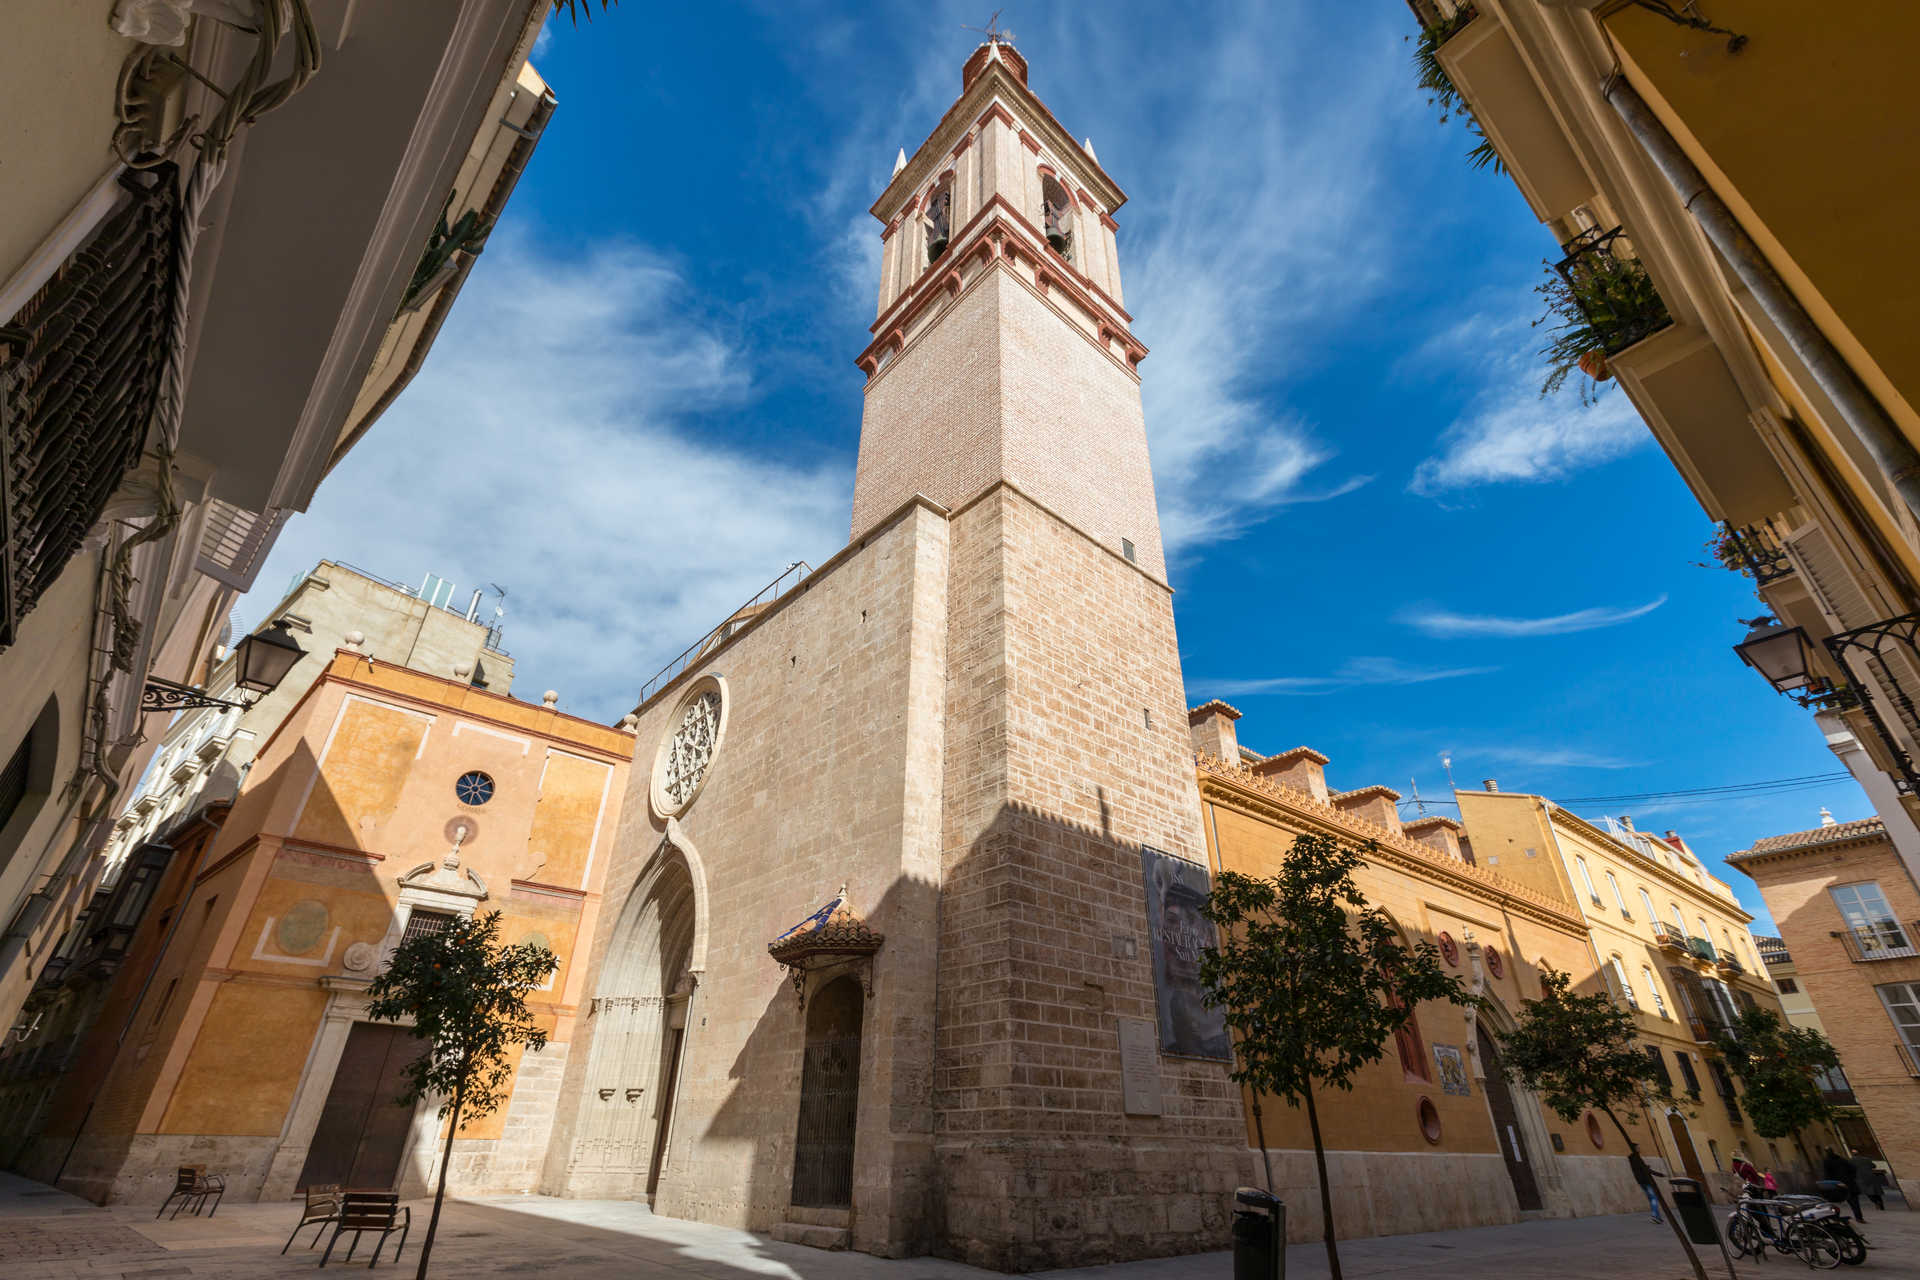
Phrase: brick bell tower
pixel 1003 383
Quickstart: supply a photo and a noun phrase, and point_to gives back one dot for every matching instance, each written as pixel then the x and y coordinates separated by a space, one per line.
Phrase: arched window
pixel 1056 215
pixel 1586 879
pixel 1620 977
pixel 939 218
pixel 1653 990
pixel 1406 1038
pixel 1646 900
pixel 1619 899
pixel 1679 921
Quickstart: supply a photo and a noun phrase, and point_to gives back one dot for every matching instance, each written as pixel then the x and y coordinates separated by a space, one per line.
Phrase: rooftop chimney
pixel 1490 784
pixel 1376 804
pixel 1211 724
pixel 1302 768
pixel 1439 834
pixel 1826 818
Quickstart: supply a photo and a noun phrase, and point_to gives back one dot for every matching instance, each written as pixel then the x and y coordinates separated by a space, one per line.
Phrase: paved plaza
pixel 48 1235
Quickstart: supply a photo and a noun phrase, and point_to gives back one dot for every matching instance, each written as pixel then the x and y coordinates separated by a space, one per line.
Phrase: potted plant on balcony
pixel 1598 304
pixel 1439 86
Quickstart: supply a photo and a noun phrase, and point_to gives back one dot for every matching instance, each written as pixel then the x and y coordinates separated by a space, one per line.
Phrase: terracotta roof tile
pixel 1839 831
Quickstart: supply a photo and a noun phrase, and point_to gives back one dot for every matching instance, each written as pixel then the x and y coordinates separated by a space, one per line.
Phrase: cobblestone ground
pixel 50 1236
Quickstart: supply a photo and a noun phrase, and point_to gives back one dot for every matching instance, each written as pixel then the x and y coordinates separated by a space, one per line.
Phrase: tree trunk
pixel 1666 1207
pixel 1326 1193
pixel 440 1191
pixel 1260 1132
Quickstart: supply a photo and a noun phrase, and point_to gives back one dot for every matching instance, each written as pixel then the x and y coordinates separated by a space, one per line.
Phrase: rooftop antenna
pixel 1446 762
pixel 994 33
pixel 1418 803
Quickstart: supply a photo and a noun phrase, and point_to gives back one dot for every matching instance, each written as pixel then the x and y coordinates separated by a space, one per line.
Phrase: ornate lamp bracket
pixel 165 695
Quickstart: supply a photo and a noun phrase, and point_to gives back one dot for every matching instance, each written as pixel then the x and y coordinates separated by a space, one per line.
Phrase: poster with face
pixel 1178 932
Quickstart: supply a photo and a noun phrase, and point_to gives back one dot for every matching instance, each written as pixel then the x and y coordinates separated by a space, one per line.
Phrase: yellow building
pixel 1849 914
pixel 1666 939
pixel 387 803
pixel 1729 183
pixel 1431 1137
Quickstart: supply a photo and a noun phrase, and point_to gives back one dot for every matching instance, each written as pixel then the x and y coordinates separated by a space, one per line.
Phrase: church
pixel 876 966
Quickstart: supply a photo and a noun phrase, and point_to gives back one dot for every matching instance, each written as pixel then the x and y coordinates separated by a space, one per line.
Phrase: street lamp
pixel 260 663
pixel 1780 654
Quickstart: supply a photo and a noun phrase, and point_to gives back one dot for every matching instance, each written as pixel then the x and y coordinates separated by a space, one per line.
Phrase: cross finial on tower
pixel 992 31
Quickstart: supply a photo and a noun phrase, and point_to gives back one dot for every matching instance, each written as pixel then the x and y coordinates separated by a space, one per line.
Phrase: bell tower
pixel 1002 350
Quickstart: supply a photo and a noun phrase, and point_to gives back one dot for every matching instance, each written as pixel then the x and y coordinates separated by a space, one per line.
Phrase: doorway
pixel 829 1098
pixel 1689 1158
pixel 1506 1125
pixel 362 1135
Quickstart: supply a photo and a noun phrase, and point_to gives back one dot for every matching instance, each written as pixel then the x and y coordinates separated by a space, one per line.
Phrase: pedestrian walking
pixel 1837 1168
pixel 1644 1176
pixel 1873 1185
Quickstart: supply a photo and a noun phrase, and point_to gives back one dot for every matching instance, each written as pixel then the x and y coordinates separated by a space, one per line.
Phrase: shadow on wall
pixel 191 1061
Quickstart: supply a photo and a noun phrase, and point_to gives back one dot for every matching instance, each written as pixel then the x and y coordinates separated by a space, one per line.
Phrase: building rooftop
pixel 1831 833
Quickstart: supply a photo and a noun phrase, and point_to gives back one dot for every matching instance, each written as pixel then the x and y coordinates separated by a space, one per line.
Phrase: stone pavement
pixel 48 1235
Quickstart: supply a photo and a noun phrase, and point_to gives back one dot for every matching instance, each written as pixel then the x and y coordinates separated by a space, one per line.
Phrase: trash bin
pixel 1695 1214
pixel 1259 1235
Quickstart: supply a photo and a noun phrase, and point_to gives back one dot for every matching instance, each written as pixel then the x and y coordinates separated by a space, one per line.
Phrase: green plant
pixel 466 997
pixel 1603 303
pixel 1313 982
pixel 1441 92
pixel 1778 1063
pixel 1581 1053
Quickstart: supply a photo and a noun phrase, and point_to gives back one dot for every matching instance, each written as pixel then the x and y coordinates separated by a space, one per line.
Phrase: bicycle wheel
pixel 1815 1245
pixel 1743 1233
pixel 1853 1246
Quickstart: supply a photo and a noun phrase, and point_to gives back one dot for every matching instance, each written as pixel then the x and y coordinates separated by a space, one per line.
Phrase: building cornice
pixel 1641 862
pixel 1239 788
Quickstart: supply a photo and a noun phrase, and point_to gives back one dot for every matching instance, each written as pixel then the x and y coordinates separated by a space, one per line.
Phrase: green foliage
pixel 466 995
pixel 1313 981
pixel 1609 304
pixel 1777 1063
pixel 574 8
pixel 1579 1053
pixel 1432 78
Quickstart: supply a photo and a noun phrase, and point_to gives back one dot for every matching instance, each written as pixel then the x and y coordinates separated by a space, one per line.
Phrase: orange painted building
pixel 236 1037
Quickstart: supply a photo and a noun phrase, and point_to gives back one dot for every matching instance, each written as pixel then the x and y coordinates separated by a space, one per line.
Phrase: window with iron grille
pixel 13 780
pixel 421 924
pixel 1686 1072
pixel 1660 1060
pixel 80 374
pixel 1723 1084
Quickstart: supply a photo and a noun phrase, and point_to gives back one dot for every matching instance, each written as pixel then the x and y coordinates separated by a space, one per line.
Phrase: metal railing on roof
pixel 793 575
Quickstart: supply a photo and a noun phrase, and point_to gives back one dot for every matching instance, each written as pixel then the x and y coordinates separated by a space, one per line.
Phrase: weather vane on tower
pixel 992 31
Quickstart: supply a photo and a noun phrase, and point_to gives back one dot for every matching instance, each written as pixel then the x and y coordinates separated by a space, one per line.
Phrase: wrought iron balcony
pixel 1701 949
pixel 1730 965
pixel 1885 941
pixel 1612 290
pixel 1754 550
pixel 1885 655
pixel 1669 937
pixel 1908 1059
pixel 1701 1033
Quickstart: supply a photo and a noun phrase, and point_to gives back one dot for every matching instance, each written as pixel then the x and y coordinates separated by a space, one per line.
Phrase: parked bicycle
pixel 1787 1225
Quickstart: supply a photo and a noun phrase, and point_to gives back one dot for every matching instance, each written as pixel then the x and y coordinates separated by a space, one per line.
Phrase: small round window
pixel 473 788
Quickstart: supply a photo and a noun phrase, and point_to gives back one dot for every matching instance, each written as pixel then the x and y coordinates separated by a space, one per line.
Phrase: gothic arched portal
pixel 638 1018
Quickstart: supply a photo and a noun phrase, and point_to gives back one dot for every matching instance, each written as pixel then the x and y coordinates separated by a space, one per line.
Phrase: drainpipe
pixel 1862 412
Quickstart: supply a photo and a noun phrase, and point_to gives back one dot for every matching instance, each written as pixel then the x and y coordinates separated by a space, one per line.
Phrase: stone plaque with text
pixel 1140 1068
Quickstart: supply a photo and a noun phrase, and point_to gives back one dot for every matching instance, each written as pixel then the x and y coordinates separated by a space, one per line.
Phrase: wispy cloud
pixel 1510 433
pixel 548 445
pixel 1543 757
pixel 1353 673
pixel 1440 622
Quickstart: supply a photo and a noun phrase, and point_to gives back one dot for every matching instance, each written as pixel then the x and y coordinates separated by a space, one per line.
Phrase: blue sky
pixel 1385 544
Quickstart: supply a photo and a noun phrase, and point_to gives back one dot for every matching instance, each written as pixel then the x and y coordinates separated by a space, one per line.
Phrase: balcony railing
pixel 1842 1097
pixel 1883 942
pixel 1730 965
pixel 1612 290
pixel 1884 656
pixel 1908 1059
pixel 795 574
pixel 1668 936
pixel 1701 1032
pixel 1701 949
pixel 1754 551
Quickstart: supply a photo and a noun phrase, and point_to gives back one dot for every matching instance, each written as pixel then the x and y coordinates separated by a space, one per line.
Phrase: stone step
pixel 811 1236
pixel 820 1217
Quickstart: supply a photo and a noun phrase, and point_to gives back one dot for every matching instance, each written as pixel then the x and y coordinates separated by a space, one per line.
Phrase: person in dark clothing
pixel 1837 1168
pixel 1873 1185
pixel 1644 1176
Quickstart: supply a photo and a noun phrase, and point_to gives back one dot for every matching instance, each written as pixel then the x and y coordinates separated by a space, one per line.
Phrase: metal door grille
pixel 80 372
pixel 829 1102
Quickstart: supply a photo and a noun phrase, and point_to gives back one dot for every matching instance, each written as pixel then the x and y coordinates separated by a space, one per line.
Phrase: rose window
pixel 691 749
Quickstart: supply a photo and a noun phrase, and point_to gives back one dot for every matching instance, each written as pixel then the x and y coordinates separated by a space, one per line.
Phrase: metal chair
pixel 192 1184
pixel 323 1206
pixel 362 1211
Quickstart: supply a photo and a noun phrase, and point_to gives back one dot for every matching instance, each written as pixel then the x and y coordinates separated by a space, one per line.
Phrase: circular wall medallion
pixel 473 787
pixel 537 939
pixel 1449 949
pixel 460 830
pixel 685 758
pixel 1595 1134
pixel 1494 966
pixel 300 930
pixel 1429 1121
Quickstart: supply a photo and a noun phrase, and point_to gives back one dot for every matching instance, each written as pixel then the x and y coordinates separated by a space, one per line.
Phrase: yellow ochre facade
pixel 387 802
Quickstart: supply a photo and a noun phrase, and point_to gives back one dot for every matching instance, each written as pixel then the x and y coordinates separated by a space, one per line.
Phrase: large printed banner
pixel 1176 889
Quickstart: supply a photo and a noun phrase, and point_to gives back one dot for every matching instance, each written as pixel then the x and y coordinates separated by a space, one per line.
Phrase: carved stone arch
pixel 697 873
pixel 1493 1015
